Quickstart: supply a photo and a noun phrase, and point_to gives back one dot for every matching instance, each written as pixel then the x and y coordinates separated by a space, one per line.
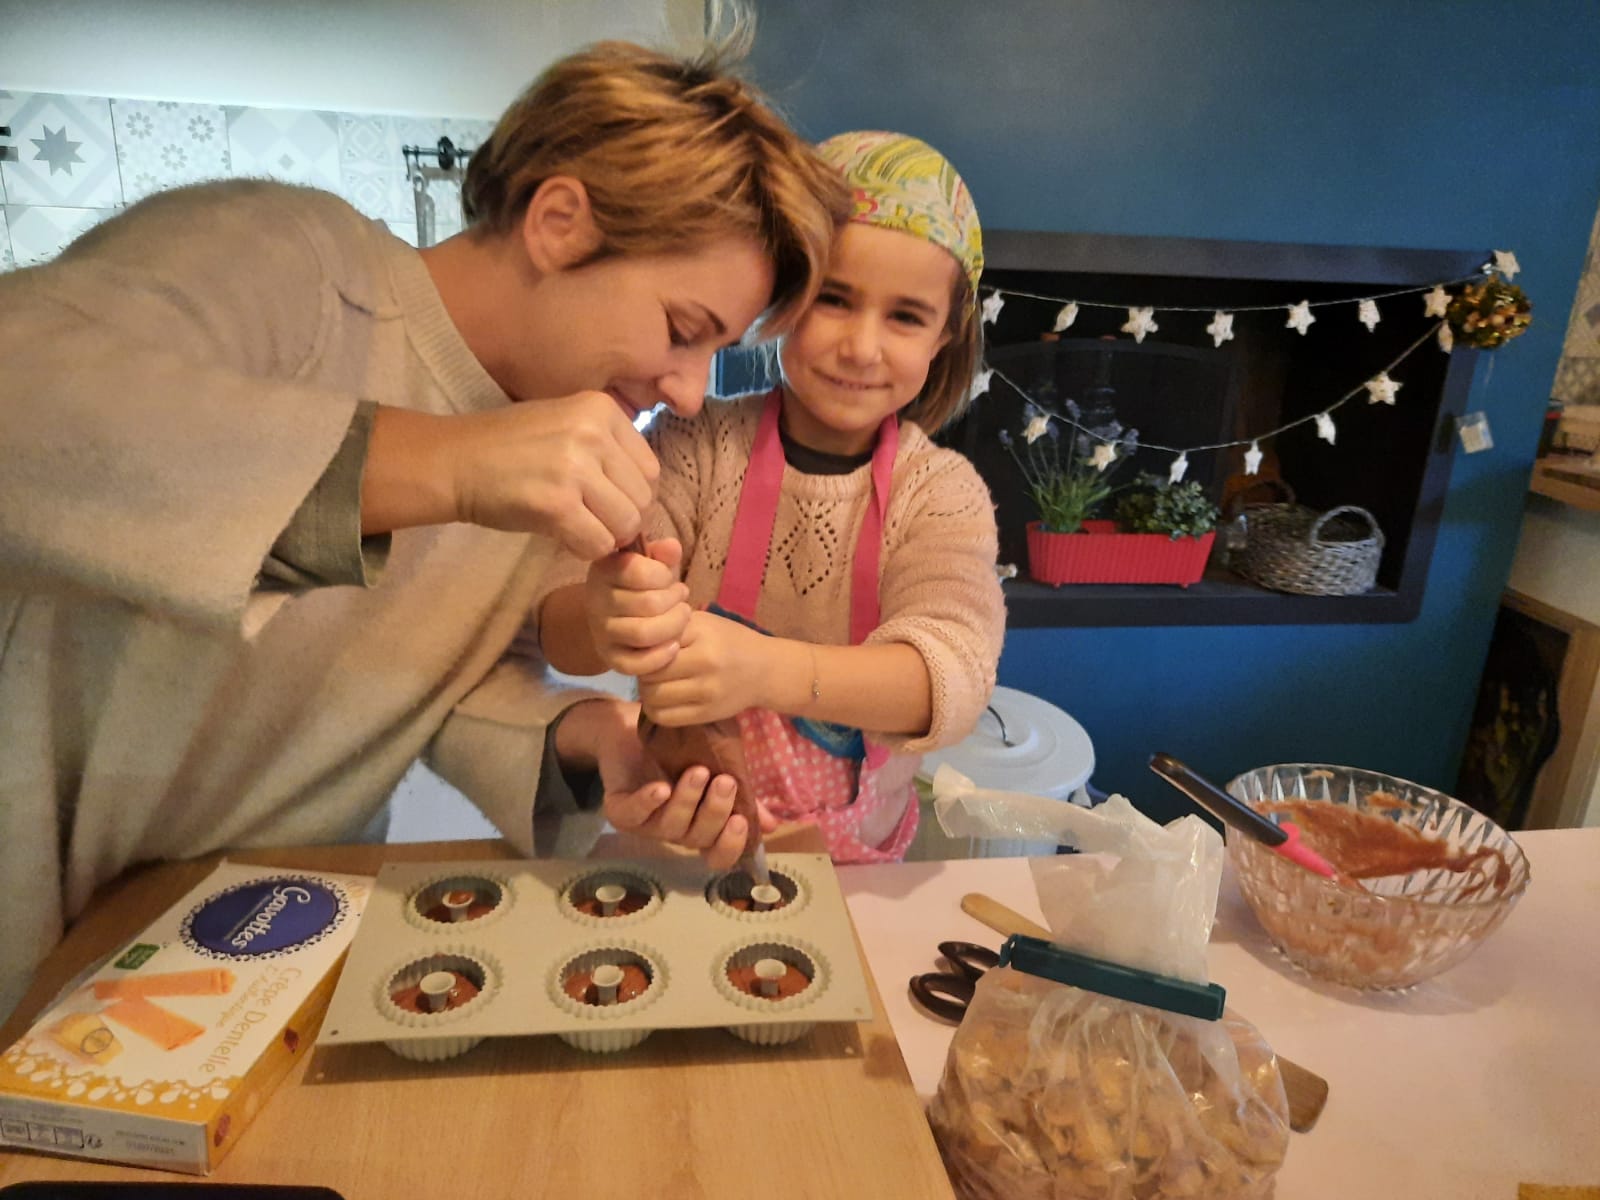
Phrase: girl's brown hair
pixel 948 391
pixel 675 154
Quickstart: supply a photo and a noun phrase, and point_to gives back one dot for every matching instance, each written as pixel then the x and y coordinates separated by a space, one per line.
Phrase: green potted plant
pixel 1068 478
pixel 1163 532
pixel 1155 505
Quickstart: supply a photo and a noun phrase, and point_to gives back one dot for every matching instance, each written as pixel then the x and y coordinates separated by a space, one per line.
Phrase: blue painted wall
pixel 1460 124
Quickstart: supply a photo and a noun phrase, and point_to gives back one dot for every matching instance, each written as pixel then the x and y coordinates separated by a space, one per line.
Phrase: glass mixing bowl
pixel 1398 929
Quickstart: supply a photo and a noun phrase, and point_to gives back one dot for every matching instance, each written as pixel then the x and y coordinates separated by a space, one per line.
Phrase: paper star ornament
pixel 1325 429
pixel 1252 459
pixel 1221 328
pixel 1447 337
pixel 1506 263
pixel 1367 314
pixel 1140 322
pixel 1300 317
pixel 1036 428
pixel 992 304
pixel 1067 315
pixel 1381 389
pixel 1435 303
pixel 1179 468
pixel 980 382
pixel 1104 455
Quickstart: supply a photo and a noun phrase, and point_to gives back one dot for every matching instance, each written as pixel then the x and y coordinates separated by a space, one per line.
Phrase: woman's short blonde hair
pixel 675 154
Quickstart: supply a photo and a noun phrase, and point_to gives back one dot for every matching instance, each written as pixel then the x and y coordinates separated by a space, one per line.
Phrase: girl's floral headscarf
pixel 901 182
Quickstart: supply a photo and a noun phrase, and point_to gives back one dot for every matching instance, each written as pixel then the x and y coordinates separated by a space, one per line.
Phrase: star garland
pixel 1141 318
pixel 1380 388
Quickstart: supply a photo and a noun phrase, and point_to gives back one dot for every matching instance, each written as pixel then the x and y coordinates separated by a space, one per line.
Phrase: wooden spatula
pixel 1307 1092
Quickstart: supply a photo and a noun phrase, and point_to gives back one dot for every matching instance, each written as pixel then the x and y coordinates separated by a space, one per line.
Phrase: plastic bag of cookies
pixel 1053 1092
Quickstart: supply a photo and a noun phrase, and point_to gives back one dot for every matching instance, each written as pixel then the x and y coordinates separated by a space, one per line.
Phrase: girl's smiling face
pixel 863 348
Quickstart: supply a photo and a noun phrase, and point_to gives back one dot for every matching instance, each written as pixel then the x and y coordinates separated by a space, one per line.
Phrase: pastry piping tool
pixel 754 855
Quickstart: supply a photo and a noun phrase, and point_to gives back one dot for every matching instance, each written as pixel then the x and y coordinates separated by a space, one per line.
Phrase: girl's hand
pixel 721 668
pixel 636 608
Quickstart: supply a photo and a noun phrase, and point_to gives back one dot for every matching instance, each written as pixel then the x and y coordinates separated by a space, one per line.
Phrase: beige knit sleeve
pixel 939 591
pixel 323 545
pixel 494 747
pixel 155 438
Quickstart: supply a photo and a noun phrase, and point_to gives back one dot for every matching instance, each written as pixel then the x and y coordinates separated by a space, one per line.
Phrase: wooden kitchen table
pixel 688 1113
pixel 1460 1088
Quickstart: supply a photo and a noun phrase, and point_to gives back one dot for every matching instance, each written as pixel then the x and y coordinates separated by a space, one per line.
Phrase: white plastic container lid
pixel 1049 754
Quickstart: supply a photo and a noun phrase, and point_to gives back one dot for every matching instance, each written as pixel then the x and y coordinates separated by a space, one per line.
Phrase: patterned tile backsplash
pixel 294 145
pixel 161 143
pixel 40 231
pixel 65 155
pixel 76 160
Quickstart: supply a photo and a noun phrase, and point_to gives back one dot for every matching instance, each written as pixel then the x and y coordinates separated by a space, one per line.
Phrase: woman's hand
pixel 574 469
pixel 721 668
pixel 696 811
pixel 635 607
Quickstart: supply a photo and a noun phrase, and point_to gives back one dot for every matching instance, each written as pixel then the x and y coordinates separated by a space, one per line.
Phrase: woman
pixel 276 490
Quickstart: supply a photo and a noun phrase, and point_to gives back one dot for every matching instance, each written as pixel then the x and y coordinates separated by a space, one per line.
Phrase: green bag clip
pixel 1045 959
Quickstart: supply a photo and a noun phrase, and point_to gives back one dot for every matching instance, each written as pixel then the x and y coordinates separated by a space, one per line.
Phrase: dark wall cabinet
pixel 1179 389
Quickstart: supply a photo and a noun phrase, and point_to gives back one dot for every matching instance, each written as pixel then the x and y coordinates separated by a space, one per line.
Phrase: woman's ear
pixel 558 227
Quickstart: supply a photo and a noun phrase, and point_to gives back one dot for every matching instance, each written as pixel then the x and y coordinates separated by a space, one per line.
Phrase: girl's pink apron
pixel 815 770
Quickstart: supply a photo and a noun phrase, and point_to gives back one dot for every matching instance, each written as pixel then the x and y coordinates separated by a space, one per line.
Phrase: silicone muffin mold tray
pixel 520 932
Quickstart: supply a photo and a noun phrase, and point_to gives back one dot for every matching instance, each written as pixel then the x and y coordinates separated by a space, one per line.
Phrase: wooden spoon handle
pixel 1307 1091
pixel 999 918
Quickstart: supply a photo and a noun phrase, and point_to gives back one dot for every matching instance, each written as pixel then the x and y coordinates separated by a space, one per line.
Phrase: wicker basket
pixel 1238 490
pixel 1290 548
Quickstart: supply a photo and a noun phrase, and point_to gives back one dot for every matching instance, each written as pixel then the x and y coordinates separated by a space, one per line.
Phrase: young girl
pixel 837 567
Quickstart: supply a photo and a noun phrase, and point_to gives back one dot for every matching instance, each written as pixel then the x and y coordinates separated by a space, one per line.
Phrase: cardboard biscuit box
pixel 163 1056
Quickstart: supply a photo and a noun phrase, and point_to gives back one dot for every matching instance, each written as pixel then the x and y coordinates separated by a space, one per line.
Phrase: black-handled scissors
pixel 947 993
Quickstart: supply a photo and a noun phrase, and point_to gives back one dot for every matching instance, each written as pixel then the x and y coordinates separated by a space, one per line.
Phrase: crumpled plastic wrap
pixel 1053 1092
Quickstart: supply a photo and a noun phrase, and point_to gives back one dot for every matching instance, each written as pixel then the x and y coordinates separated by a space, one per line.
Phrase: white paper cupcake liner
pixel 469 960
pixel 432 890
pixel 582 887
pixel 790 950
pixel 793 884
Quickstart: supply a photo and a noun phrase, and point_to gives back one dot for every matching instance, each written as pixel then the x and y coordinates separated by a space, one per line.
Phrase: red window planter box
pixel 1100 554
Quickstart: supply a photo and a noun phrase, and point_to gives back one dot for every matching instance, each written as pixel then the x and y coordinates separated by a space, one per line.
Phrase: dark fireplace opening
pixel 1179 389
pixel 1172 395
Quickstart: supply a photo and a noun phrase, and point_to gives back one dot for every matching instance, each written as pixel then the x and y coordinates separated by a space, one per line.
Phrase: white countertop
pixel 1460 1088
